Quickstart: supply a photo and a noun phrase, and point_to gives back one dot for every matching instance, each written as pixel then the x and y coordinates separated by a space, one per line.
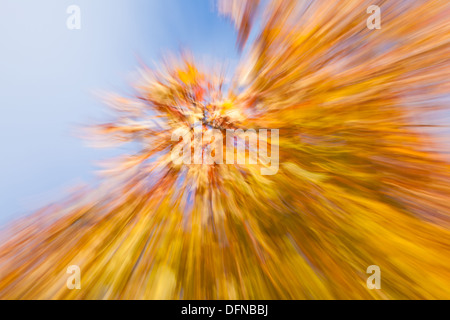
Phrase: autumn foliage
pixel 363 179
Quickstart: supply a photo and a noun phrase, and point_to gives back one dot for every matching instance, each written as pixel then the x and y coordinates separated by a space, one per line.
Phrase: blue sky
pixel 49 77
